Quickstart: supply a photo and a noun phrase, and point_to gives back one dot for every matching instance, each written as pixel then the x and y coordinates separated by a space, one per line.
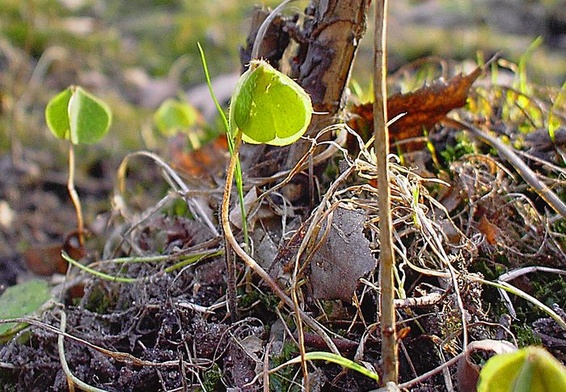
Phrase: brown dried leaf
pixel 422 108
pixel 489 230
pixel 204 163
pixel 428 105
pixel 342 259
pixel 468 372
pixel 46 260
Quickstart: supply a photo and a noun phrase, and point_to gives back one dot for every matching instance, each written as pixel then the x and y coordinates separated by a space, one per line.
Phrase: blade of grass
pixel 330 357
pixel 230 136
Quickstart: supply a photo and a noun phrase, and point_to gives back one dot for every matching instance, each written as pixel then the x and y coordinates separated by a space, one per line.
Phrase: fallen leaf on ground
pixel 422 108
pixel 204 163
pixel 469 372
pixel 343 258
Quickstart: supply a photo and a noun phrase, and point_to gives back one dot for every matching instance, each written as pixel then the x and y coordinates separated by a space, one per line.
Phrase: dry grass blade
pixel 171 176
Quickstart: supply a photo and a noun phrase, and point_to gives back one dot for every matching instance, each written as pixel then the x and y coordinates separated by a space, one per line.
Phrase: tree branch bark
pixel 328 41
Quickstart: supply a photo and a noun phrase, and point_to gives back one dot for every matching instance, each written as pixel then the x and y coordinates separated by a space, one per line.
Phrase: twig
pixel 230 260
pixel 381 143
pixel 432 372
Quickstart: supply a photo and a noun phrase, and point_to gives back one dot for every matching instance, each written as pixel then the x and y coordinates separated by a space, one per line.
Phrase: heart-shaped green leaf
pixel 269 107
pixel 57 115
pixel 174 116
pixel 78 116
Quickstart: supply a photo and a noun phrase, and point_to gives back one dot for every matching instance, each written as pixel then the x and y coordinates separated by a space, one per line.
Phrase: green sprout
pixel 80 117
pixel 267 107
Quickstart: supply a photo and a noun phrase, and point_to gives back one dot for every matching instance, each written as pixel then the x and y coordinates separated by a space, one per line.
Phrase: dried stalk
pixel 255 267
pixel 381 145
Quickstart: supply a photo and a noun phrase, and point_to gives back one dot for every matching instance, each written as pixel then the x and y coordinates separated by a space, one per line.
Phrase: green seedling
pixel 21 300
pixel 530 369
pixel 554 122
pixel 81 118
pixel 230 138
pixel 523 86
pixel 177 116
pixel 331 357
pixel 268 107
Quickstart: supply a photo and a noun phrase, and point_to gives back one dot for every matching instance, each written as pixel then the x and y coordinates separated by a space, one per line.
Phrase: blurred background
pixel 134 54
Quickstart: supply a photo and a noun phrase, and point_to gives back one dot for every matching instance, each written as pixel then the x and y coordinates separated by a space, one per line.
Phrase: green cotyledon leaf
pixel 268 107
pixel 21 300
pixel 77 115
pixel 530 369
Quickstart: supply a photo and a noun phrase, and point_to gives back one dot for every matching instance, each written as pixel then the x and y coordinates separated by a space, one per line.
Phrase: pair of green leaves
pixel 268 107
pixel 78 116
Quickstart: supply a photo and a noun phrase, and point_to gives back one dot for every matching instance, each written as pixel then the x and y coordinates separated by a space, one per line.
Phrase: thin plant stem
pixel 255 267
pixel 230 135
pixel 72 380
pixel 381 145
pixel 75 196
pixel 231 298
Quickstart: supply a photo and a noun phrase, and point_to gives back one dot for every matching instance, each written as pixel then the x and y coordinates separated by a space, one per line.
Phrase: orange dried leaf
pixel 203 163
pixel 422 108
pixel 489 230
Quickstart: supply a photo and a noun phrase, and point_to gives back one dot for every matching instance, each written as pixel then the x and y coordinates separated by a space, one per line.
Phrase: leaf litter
pixel 170 329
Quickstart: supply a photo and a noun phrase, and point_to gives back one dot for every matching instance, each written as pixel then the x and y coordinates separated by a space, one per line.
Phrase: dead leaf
pixel 253 214
pixel 204 163
pixel 423 108
pixel 489 230
pixel 468 372
pixel 46 260
pixel 343 258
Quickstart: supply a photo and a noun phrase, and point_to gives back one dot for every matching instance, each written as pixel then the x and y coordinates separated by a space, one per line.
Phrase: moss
pixel 212 379
pixel 281 381
pixel 526 336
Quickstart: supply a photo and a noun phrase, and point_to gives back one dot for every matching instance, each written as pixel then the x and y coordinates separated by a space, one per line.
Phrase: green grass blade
pixel 331 357
pixel 230 136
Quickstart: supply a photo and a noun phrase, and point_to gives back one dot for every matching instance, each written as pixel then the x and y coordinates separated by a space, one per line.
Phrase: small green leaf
pixel 89 117
pixel 529 369
pixel 57 116
pixel 554 122
pixel 21 300
pixel 269 107
pixel 174 116
pixel 77 115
